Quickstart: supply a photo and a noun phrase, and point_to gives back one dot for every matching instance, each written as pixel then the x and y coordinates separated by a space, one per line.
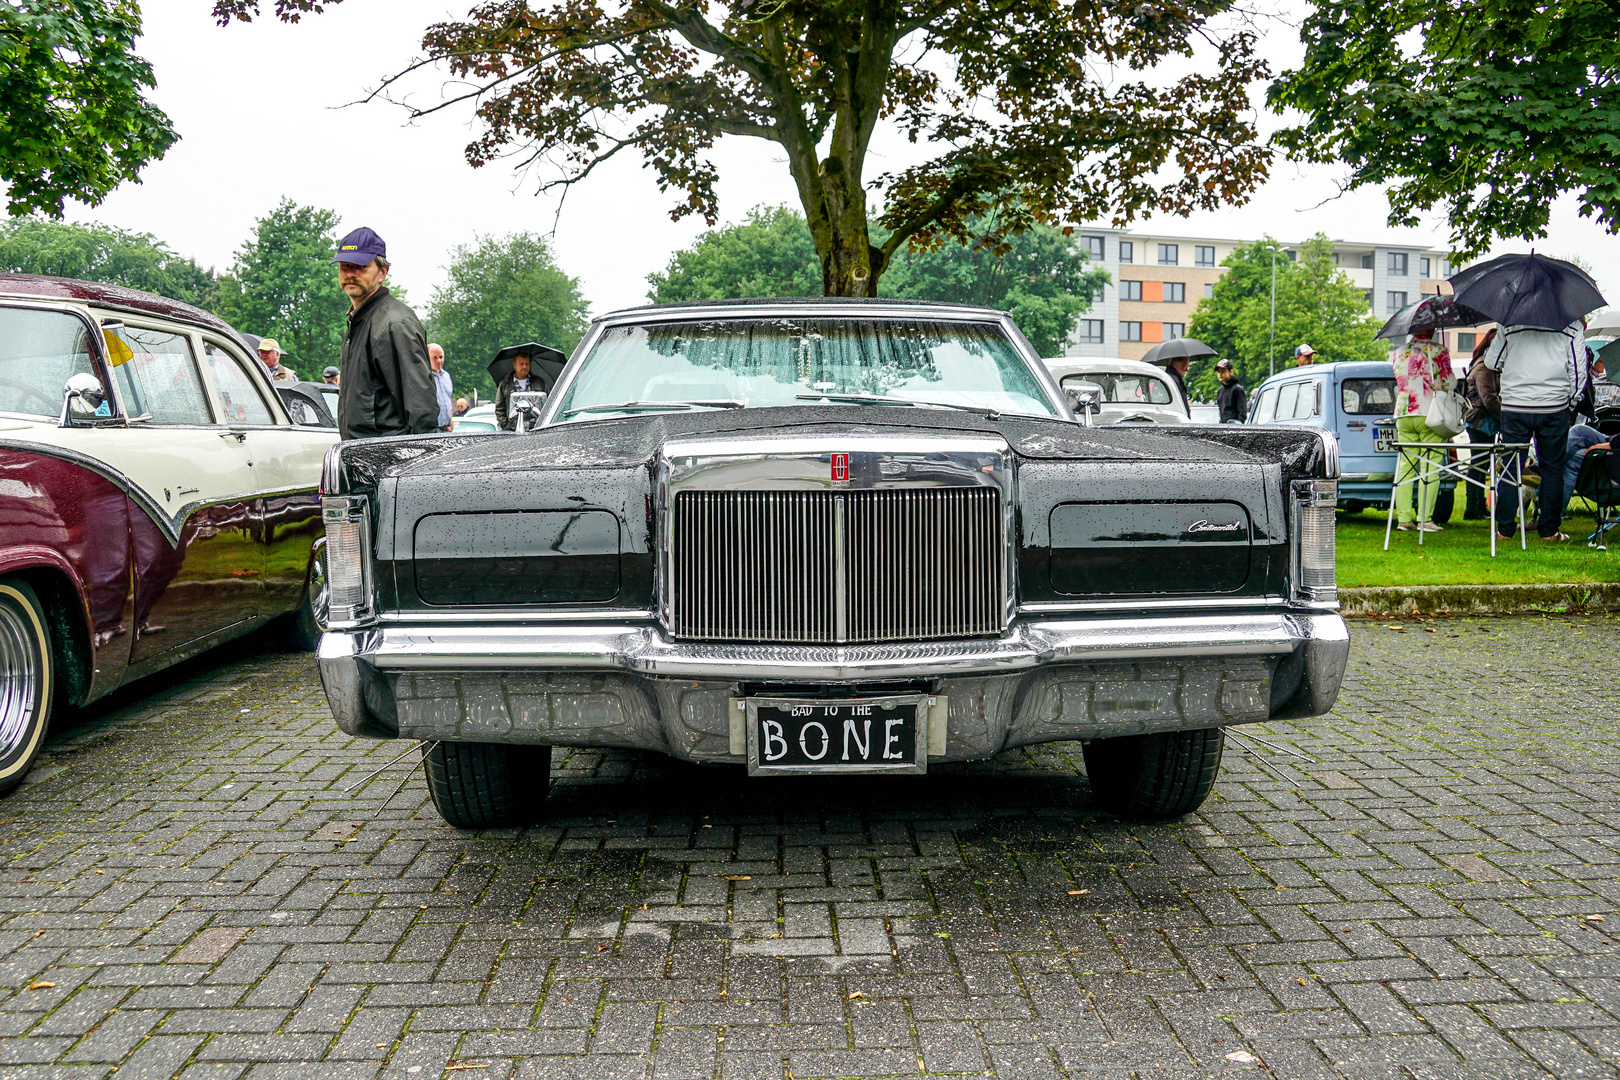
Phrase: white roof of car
pixel 1060 366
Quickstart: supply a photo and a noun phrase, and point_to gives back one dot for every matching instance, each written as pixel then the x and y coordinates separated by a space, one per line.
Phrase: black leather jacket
pixel 387 386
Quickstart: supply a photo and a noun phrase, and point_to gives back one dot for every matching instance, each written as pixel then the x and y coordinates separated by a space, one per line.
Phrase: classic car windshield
pixel 38 351
pixel 759 362
pixel 1124 389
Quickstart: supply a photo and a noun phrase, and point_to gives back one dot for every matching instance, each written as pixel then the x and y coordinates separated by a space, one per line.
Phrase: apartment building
pixel 1158 280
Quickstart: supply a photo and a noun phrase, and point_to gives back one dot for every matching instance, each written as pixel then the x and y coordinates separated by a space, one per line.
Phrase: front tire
pixel 27 678
pixel 487 785
pixel 1154 776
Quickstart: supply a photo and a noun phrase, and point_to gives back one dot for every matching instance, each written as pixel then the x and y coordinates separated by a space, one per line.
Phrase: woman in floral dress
pixel 1422 370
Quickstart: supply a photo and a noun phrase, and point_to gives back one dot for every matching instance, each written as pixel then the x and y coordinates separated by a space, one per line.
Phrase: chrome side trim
pixel 476 617
pixel 646 650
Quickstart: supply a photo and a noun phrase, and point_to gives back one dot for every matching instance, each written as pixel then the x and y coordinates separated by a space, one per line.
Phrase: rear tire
pixel 27 678
pixel 487 785
pixel 1154 776
pixel 300 631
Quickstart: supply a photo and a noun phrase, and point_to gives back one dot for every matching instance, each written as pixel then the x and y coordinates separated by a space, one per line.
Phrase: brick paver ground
pixel 1422 885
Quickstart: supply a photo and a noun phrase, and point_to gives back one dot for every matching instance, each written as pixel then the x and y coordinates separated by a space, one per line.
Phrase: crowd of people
pixel 1524 386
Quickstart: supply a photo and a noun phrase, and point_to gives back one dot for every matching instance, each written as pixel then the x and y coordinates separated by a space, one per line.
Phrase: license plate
pixel 1384 442
pixel 851 736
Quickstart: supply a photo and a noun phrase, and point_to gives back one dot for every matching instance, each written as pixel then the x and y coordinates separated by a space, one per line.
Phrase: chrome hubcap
pixel 19 678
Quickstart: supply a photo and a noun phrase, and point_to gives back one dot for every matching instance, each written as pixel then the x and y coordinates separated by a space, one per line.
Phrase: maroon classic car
pixel 155 498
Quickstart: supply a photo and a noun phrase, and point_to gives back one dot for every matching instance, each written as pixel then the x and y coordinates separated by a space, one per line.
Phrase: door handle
pixel 239 436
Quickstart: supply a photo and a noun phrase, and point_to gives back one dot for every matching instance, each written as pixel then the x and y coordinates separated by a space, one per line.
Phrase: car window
pixel 1306 403
pixel 777 361
pixel 239 399
pixel 1263 409
pixel 39 350
pixel 1367 397
pixel 1124 389
pixel 159 380
pixel 1287 398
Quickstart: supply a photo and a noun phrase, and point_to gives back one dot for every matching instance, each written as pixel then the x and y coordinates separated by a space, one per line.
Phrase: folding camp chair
pixel 1599 480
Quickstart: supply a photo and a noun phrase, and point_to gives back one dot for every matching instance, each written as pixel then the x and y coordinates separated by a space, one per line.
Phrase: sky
pixel 266 110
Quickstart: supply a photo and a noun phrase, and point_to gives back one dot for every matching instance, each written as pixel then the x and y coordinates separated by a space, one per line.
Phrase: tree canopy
pixel 92 252
pixel 75 123
pixel 1043 279
pixel 1317 304
pixel 1038 112
pixel 502 291
pixel 1490 110
pixel 284 286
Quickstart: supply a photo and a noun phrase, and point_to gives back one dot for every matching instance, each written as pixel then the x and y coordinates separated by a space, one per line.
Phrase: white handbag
pixel 1445 415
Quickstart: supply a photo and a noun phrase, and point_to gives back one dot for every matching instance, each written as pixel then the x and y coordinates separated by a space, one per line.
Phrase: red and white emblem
pixel 840 468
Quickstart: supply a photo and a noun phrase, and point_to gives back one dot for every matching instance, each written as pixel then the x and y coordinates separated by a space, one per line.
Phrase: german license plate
pixel 1383 441
pixel 851 736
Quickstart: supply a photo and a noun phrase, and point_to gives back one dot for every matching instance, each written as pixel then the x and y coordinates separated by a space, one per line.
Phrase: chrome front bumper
pixel 629 685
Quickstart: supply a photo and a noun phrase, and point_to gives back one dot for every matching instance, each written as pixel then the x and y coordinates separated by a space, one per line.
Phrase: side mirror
pixel 526 408
pixel 1085 398
pixel 81 396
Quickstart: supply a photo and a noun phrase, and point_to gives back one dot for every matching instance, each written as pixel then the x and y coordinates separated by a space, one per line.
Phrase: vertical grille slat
pixel 766 566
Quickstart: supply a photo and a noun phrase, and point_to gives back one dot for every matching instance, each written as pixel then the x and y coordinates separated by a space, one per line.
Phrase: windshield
pixel 38 351
pixel 1124 389
pixel 761 362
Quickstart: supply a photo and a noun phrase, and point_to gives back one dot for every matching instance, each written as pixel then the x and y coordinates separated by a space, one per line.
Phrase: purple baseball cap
pixel 360 247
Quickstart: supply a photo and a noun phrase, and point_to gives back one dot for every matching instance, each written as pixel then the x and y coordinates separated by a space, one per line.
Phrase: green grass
pixel 1461 555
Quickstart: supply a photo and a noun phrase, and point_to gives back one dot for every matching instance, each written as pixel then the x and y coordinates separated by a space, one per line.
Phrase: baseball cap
pixel 329 371
pixel 1304 350
pixel 1223 365
pixel 269 344
pixel 360 247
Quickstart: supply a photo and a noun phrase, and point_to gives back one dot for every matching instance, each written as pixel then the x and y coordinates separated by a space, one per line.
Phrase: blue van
pixel 1346 398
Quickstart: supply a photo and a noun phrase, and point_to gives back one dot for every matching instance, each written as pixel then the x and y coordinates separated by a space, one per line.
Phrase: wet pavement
pixel 204 878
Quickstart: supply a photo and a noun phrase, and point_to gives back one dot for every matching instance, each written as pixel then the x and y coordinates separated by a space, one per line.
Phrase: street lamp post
pixel 1271 357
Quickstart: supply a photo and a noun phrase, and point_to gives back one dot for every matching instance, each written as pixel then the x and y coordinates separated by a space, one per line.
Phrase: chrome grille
pixel 837 567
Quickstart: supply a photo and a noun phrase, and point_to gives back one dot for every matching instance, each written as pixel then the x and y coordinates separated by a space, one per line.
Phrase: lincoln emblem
pixel 840 467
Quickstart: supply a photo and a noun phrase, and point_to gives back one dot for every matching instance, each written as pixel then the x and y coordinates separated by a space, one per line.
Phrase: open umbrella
pixel 545 363
pixel 1431 313
pixel 1191 348
pixel 1605 323
pixel 1528 290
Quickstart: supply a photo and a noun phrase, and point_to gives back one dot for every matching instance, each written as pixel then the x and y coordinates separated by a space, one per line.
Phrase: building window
pixel 1425 264
pixel 1173 330
pixel 1209 290
pixel 1397 300
pixel 1130 290
pixel 1091 331
pixel 1169 254
pixel 1445 268
pixel 1097 295
pixel 1094 247
pixel 1130 331
pixel 1204 255
pixel 1175 292
pixel 1293 256
pixel 1335 258
pixel 1465 343
pixel 1366 295
pixel 1127 251
pixel 1397 264
pixel 1367 261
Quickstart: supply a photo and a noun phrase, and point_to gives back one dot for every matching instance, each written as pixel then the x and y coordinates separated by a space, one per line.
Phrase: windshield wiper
pixel 883 399
pixel 709 403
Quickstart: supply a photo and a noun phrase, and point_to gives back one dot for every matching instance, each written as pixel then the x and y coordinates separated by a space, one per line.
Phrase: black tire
pixel 300 631
pixel 27 680
pixel 1154 776
pixel 1444 504
pixel 487 785
pixel 1352 506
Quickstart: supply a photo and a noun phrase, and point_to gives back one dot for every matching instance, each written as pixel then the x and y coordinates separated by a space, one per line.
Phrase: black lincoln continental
pixel 809 537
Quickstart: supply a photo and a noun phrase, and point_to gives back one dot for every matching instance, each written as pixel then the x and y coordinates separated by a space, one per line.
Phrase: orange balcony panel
pixel 1152 292
pixel 1152 331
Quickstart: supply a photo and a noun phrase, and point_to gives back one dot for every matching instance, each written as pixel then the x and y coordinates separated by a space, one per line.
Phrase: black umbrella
pixel 1175 349
pixel 545 363
pixel 1528 290
pixel 1431 313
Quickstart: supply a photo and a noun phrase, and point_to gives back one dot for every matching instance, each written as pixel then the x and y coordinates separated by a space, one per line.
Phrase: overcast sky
pixel 260 109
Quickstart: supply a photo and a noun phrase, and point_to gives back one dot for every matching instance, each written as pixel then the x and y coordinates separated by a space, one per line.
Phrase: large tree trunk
pixel 850 265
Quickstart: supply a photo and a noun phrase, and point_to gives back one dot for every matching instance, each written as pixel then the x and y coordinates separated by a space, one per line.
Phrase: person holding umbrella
pixel 526 367
pixel 1422 370
pixel 1176 356
pixel 1540 351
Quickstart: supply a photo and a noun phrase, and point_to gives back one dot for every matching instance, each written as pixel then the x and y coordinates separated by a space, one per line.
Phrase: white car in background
pixel 1130 391
pixel 477 420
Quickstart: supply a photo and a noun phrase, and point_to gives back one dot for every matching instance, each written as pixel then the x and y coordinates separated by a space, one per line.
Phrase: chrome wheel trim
pixel 19 678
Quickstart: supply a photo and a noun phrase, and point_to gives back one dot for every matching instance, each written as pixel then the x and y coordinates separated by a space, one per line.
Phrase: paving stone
pixel 1408 899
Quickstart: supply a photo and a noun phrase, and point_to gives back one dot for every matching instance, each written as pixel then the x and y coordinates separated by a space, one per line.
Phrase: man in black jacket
pixel 386 387
pixel 1231 398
